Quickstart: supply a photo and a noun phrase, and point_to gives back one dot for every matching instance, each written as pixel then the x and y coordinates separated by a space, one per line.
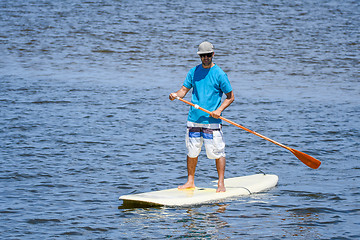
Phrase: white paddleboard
pixel 238 186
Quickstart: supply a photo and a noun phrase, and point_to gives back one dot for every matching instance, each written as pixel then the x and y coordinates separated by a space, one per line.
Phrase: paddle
pixel 306 159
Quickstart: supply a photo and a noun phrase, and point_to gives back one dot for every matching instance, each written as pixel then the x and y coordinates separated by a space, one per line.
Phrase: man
pixel 209 83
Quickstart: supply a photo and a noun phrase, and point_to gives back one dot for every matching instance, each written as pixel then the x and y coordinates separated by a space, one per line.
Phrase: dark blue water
pixel 85 118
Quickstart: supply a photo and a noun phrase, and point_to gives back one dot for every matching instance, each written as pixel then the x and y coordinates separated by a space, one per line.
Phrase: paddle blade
pixel 306 159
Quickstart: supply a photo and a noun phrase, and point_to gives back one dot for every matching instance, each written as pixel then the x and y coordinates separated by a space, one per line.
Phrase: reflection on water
pixel 204 225
pixel 186 222
pixel 305 222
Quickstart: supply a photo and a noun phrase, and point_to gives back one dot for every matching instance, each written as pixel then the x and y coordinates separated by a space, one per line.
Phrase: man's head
pixel 206 53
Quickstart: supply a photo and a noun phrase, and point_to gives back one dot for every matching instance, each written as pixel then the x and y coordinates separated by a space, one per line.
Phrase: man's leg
pixel 220 166
pixel 191 166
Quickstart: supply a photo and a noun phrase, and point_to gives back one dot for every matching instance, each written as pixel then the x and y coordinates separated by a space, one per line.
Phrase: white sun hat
pixel 205 47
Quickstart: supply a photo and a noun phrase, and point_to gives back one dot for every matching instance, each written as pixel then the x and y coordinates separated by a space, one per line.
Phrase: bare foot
pixel 187 186
pixel 221 188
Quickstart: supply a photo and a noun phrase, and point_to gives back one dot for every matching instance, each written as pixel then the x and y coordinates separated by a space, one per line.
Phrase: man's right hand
pixel 172 96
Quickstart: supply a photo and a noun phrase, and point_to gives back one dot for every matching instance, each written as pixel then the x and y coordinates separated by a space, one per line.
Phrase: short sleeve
pixel 225 85
pixel 188 83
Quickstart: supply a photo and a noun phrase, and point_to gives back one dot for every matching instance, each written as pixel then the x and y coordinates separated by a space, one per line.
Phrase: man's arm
pixel 229 99
pixel 180 93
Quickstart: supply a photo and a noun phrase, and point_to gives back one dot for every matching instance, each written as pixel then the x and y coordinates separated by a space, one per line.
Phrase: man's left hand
pixel 216 114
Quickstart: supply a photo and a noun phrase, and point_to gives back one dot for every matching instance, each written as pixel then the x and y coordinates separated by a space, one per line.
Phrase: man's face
pixel 206 58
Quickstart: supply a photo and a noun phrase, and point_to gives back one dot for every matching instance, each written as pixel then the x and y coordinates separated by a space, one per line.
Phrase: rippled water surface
pixel 85 118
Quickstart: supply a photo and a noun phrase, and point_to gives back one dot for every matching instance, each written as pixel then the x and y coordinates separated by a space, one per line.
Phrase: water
pixel 85 117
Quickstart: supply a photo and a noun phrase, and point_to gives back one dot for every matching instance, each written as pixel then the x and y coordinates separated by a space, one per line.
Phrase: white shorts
pixel 210 134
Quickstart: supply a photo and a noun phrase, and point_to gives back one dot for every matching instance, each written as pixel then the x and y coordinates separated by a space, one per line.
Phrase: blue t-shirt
pixel 208 86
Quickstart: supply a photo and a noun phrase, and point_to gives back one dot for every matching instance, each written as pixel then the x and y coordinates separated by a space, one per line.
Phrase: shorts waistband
pixel 214 126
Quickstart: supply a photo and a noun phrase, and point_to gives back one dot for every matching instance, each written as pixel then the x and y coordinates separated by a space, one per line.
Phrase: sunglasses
pixel 206 54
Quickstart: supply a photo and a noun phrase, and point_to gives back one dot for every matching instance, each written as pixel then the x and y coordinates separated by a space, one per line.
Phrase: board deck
pixel 237 186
